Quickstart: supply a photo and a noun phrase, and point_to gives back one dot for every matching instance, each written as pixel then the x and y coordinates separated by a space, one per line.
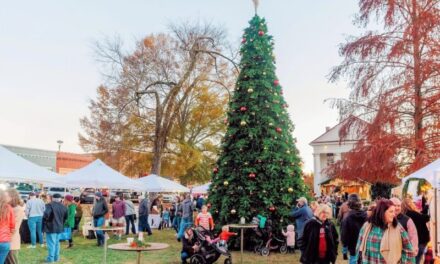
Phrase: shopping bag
pixel 67 234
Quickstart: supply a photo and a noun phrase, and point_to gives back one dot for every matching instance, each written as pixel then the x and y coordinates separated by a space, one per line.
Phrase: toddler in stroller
pixel 268 241
pixel 209 252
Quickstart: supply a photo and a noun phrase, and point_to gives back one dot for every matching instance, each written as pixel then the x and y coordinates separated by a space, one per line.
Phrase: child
pixel 223 238
pixel 290 238
pixel 204 219
pixel 166 218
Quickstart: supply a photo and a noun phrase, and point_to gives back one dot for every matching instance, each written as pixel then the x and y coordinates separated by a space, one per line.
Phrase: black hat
pixel 56 196
pixel 354 201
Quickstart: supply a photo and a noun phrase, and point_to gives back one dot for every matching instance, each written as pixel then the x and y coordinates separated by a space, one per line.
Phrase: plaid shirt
pixel 372 253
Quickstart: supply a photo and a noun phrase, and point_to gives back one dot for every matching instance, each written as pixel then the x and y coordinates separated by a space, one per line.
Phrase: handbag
pixel 66 235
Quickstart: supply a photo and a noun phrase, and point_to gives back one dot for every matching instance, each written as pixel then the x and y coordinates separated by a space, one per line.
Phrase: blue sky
pixel 48 72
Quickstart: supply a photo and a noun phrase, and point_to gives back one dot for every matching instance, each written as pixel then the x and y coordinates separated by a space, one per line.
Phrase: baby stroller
pixel 208 253
pixel 267 240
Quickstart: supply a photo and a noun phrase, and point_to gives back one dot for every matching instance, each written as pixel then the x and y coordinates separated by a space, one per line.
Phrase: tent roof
pixel 428 173
pixel 201 188
pixel 98 175
pixel 155 183
pixel 16 168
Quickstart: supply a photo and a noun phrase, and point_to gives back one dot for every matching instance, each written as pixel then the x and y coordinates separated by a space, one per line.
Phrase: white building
pixel 327 149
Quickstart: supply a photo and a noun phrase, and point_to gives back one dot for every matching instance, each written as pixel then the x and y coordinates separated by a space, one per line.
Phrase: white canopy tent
pixel 155 183
pixel 431 173
pixel 17 169
pixel 98 175
pixel 201 188
pixel 428 173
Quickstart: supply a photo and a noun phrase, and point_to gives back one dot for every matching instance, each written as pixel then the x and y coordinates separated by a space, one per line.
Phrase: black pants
pixel 77 220
pixel 129 219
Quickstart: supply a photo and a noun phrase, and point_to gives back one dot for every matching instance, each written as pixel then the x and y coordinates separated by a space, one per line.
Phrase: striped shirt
pixel 204 220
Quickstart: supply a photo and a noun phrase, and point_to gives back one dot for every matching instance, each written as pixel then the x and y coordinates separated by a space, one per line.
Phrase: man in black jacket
pixel 352 224
pixel 99 210
pixel 54 217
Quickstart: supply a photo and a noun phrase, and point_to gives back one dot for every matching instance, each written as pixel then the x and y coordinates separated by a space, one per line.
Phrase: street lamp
pixel 60 142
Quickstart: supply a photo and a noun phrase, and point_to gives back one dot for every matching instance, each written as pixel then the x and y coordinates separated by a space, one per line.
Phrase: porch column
pixel 317 177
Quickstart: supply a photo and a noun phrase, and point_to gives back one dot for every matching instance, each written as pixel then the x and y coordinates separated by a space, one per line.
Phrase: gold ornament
pixel 225 183
pixel 242 123
pixel 233 211
pixel 290 189
pixel 250 90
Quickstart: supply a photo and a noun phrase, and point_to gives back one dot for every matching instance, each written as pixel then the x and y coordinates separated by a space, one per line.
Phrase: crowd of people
pixel 54 217
pixel 387 231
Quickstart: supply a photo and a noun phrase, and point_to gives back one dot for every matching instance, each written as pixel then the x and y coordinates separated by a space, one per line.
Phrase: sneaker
pixel 42 245
pixel 31 246
pixel 345 256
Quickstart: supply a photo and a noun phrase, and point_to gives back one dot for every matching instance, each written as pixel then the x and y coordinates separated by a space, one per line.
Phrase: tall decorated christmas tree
pixel 258 171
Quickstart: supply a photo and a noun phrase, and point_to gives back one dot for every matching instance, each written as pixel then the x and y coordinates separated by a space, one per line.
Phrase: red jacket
pixel 7 226
pixel 225 235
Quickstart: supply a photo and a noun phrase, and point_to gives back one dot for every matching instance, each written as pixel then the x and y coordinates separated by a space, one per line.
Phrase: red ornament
pixel 243 40
pixel 261 33
pixel 243 108
pixel 279 130
pixel 215 170
pixel 272 208
pixel 276 82
pixel 252 175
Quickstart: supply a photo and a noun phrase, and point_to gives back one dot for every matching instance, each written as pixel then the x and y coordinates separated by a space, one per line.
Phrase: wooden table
pixel 139 250
pixel 241 227
pixel 104 230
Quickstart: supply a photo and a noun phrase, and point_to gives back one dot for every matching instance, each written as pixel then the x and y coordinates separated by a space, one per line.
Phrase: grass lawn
pixel 86 252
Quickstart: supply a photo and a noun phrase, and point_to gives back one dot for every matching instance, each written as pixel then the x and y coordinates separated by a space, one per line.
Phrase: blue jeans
pixel 53 247
pixel 184 256
pixel 352 259
pixel 184 223
pixel 176 223
pixel 4 251
pixel 98 222
pixel 35 224
pixel 344 250
pixel 420 253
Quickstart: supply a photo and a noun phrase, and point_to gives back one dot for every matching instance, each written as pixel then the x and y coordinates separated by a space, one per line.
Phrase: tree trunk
pixel 418 112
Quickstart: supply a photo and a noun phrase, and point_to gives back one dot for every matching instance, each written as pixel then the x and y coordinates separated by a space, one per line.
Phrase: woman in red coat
pixel 7 225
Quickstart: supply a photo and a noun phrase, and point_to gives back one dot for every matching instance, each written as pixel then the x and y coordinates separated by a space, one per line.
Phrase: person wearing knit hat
pixel 70 222
pixel 352 224
pixel 100 209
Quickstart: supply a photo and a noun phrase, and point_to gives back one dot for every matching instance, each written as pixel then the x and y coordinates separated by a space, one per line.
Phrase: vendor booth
pixel 427 180
pixel 98 175
pixel 14 168
pixel 156 184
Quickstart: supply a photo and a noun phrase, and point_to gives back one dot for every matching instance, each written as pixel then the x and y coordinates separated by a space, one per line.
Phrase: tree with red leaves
pixel 394 76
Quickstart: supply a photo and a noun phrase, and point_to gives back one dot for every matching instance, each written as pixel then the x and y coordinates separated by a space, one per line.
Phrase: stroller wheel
pixel 265 251
pixel 228 261
pixel 283 249
pixel 257 249
pixel 197 259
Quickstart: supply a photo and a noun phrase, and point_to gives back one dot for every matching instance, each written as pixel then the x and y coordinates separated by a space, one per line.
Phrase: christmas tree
pixel 258 171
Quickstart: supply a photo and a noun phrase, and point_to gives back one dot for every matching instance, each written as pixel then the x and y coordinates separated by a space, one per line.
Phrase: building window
pixel 330 159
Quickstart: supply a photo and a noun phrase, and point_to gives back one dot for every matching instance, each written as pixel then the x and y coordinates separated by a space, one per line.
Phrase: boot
pixel 70 245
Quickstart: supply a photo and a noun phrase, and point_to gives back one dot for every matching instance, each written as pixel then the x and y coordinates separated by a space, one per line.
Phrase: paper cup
pixel 130 240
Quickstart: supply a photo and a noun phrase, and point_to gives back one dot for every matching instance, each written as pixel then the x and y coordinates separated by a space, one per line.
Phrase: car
pixel 24 190
pixel 56 190
pixel 76 192
pixel 87 196
pixel 120 193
